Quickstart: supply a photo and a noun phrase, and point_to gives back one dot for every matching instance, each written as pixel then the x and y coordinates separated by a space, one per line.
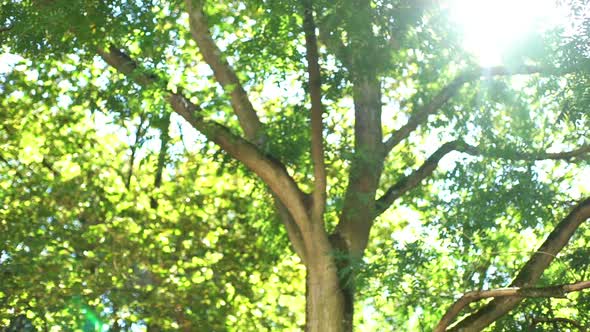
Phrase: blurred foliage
pixel 83 247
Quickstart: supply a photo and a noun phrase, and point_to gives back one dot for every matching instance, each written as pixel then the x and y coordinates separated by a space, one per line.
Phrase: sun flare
pixel 492 27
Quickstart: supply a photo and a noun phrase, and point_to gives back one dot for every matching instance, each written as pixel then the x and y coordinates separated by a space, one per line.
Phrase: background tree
pixel 160 158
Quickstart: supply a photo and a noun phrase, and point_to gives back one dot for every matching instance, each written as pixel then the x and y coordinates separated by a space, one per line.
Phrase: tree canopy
pixel 285 165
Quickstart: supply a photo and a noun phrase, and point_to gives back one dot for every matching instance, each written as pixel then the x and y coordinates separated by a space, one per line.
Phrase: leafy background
pixel 84 247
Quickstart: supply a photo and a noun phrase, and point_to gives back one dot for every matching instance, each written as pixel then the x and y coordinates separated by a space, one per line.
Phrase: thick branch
pixel 413 180
pixel 358 208
pixel 532 270
pixel 315 92
pixel 271 171
pixel 223 72
pixel 420 115
pixel 126 66
pixel 559 291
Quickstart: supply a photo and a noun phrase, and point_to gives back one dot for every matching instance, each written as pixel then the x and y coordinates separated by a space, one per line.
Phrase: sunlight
pixel 7 61
pixel 492 27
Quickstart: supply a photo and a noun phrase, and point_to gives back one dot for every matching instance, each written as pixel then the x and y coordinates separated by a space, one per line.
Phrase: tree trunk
pixel 328 305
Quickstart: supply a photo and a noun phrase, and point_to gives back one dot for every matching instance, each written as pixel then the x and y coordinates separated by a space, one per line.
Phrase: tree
pixel 344 149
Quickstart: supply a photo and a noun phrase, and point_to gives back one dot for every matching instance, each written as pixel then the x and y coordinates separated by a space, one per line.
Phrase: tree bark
pixel 325 300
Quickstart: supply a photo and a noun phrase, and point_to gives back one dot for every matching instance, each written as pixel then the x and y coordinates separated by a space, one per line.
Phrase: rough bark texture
pixel 366 167
pixel 325 309
pixel 326 299
pixel 352 232
pixel 317 128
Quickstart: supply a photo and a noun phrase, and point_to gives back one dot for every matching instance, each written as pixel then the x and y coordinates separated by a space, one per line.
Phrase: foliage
pixel 92 240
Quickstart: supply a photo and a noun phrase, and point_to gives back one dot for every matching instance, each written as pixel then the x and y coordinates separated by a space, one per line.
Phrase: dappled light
pixel 294 165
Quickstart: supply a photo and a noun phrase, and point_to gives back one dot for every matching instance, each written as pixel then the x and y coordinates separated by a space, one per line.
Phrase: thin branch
pixel 413 180
pixel 44 162
pixel 554 320
pixel 420 115
pixel 181 134
pixel 49 166
pixel 531 271
pixel 223 72
pixel 164 139
pixel 585 149
pixel 17 172
pixel 295 236
pixel 270 170
pixel 531 156
pixel 138 136
pixel 4 29
pixel 315 92
pixel 559 291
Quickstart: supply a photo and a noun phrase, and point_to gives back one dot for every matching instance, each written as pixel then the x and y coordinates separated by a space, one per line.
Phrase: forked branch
pixel 411 181
pixel 223 72
pixel 414 179
pixel 531 271
pixel 559 291
pixel 420 115
pixel 271 171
